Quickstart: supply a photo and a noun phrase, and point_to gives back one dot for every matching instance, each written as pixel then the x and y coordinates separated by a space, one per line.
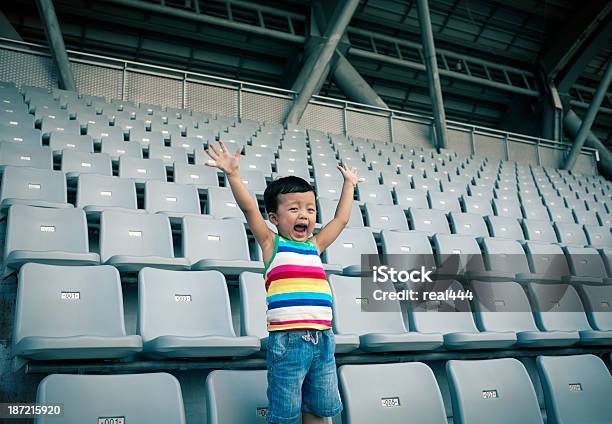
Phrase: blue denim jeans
pixel 301 375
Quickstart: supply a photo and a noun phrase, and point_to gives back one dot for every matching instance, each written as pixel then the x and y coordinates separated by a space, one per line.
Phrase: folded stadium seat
pixel 387 332
pixel 477 205
pixel 268 153
pixel 576 389
pixel 145 138
pixel 329 187
pixel 76 314
pixel 255 181
pixel 585 264
pixel 390 178
pixel 252 163
pixel 425 184
pixel 190 144
pixel 605 218
pixel 557 307
pixel 132 241
pixel 141 170
pixel 572 202
pixel 101 132
pixel 508 195
pixel 597 301
pixel 453 319
pixel 444 201
pixel 468 224
pixel 63 141
pixel 20 136
pixel 327 211
pixel 407 250
pixel 430 221
pixel 187 319
pixel 203 132
pixel 368 178
pixel 130 127
pixel 510 208
pixel 345 252
pixel 293 152
pixel 560 214
pixel 222 204
pixel 46 235
pixel 32 186
pixel 584 217
pixel 535 211
pixel 236 396
pixel 75 163
pixel 50 113
pixel 411 198
pixel 374 193
pixel 504 227
pixel 14 154
pixel 546 261
pixel 598 236
pixel 505 260
pixel 458 188
pixel 539 230
pixel 385 217
pixel 117 148
pixel 171 199
pixel 492 390
pixel 457 256
pixel 169 155
pixel 570 234
pixel 219 244
pixel 169 131
pixel 410 390
pixel 137 398
pixel 200 176
pixel 266 141
pixel 96 193
pixel 504 306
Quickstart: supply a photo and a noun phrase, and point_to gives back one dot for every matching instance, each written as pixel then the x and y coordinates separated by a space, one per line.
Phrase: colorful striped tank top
pixel 298 294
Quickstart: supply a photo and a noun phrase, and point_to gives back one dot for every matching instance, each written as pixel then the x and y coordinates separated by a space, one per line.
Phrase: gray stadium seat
pixel 387 332
pixel 505 260
pixel 131 241
pixel 171 199
pixel 536 230
pixel 141 170
pixel 535 211
pixel 547 261
pixel 570 234
pixel 75 163
pixel 598 236
pixel 190 318
pixel 169 155
pixel 62 141
pixel 219 244
pixel 492 391
pixel 453 319
pixel 329 188
pixel 557 307
pixel 190 144
pixel 477 205
pixel 468 224
pixel 390 393
pixel 96 193
pixel 584 217
pixel 411 198
pixel 576 388
pixel 385 217
pixel 510 208
pixel 136 398
pixel 32 156
pixel 222 204
pixel 255 181
pixel 201 176
pixel 458 256
pixel 504 227
pixel 59 125
pixel 119 148
pixel 597 301
pixel 560 214
pixel 145 138
pixel 503 306
pixel 20 136
pixel 327 211
pixel 46 235
pixel 430 221
pixel 585 264
pixel 236 397
pixel 34 187
pixel 347 249
pixel 374 193
pixel 445 202
pixel 76 314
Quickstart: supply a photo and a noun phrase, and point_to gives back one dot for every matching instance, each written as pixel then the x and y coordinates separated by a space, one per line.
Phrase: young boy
pixel 300 354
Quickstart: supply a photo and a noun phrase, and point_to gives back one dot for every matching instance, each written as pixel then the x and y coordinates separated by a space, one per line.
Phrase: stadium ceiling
pixel 493 55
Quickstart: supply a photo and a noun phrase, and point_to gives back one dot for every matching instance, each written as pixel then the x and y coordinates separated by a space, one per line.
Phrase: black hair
pixel 284 185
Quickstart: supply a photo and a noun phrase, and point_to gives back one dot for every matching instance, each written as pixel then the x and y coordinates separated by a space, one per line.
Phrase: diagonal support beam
pixel 338 23
pixel 572 124
pixel 585 128
pixel 433 76
pixel 352 84
pixel 56 43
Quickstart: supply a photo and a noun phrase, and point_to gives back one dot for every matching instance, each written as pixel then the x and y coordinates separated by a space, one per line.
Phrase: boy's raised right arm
pixel 228 163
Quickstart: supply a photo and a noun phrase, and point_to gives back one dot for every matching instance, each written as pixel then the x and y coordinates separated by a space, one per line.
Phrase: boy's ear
pixel 273 218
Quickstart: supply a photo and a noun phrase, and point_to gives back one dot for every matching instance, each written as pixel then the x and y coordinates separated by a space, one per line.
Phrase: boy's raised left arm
pixel 332 230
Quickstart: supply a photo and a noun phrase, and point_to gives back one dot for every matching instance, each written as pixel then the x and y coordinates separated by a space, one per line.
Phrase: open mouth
pixel 300 229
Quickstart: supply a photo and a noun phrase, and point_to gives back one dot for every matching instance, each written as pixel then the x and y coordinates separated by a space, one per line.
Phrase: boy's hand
pixel 222 159
pixel 349 174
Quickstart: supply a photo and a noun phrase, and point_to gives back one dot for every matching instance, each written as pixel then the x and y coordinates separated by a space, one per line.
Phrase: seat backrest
pixel 126 233
pixel 477 205
pixel 350 318
pixel 73 301
pixel 142 169
pixel 252 305
pixel 20 136
pixel 576 389
pixel 25 155
pixel 195 304
pixel 102 190
pixel 77 162
pixel 327 211
pixel 493 390
pixel 19 182
pixel 560 214
pixel 388 217
pixel 222 204
pixel 504 255
pixel 162 196
pixel 570 234
pixel 390 393
pixel 598 304
pixel 62 141
pixel 138 398
pixel 198 175
pixel 375 193
pixel 46 229
pixel 548 300
pixel 585 262
pixel 169 155
pixel 347 249
pixel 468 224
pixel 504 227
pixel 547 259
pixel 205 238
pixel 236 397
pixel 444 201
pixel 457 254
pixel 428 220
pixel 254 181
pixel 536 230
pixel 502 306
pixel 411 198
pixel 598 236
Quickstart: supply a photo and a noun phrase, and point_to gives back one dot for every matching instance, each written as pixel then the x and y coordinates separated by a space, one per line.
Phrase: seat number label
pixel 390 402
pixel 489 394
pixel 575 387
pixel 184 298
pixel 70 295
pixel 111 420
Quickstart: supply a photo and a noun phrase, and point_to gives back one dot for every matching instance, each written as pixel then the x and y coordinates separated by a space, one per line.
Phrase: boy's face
pixel 295 216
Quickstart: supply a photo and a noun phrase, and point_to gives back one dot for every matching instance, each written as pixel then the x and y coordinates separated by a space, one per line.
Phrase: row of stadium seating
pixel 130 241
pixel 568 389
pixel 77 313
